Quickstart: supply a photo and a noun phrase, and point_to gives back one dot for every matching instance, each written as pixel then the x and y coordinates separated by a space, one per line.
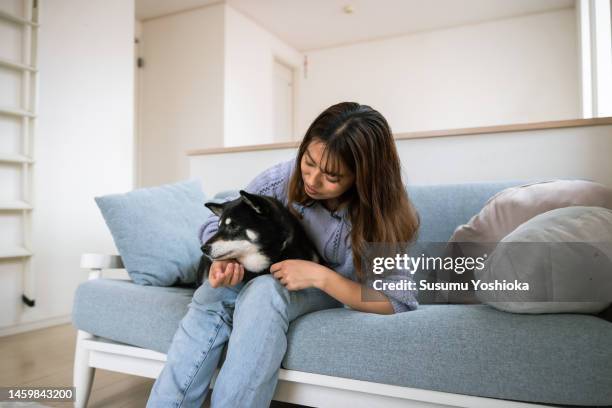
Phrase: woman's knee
pixel 265 284
pixel 261 292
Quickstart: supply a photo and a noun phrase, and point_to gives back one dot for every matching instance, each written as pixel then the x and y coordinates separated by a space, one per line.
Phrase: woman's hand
pixel 225 273
pixel 296 274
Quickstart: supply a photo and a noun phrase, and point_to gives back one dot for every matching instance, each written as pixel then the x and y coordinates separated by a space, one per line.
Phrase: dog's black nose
pixel 206 249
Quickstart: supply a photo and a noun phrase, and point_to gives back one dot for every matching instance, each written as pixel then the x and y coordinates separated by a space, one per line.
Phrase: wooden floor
pixel 44 358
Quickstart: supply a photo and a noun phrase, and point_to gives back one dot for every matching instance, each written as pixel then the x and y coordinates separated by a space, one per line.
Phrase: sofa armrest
pixel 97 262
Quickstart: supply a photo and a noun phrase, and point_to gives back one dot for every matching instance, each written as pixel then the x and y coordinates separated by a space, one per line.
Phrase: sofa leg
pixel 83 374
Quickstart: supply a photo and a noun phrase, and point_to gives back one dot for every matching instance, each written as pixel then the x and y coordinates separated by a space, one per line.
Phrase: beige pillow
pixel 508 209
pixel 511 207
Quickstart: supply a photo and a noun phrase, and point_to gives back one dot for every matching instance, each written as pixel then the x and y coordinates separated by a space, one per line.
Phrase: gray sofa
pixel 462 350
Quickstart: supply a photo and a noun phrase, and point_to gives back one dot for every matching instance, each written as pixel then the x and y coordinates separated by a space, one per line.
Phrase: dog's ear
pixel 253 201
pixel 216 208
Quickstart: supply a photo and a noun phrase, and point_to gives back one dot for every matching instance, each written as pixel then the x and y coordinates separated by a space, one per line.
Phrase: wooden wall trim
pixel 557 124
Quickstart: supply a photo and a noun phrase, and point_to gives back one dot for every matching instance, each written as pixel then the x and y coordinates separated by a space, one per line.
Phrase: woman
pixel 345 185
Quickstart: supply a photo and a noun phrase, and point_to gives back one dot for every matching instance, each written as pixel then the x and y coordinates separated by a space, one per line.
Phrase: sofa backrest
pixel 443 207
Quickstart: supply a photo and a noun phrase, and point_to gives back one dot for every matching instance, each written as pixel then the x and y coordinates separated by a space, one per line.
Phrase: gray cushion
pixel 564 255
pixel 466 349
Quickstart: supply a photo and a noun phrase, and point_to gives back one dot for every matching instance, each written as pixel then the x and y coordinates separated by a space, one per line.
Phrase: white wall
pixel 516 70
pixel 83 148
pixel 181 98
pixel 582 152
pixel 249 83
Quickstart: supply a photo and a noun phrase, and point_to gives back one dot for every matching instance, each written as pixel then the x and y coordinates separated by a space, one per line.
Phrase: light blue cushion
pixel 156 231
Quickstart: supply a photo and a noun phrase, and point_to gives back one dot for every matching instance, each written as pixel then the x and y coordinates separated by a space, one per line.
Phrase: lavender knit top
pixel 329 230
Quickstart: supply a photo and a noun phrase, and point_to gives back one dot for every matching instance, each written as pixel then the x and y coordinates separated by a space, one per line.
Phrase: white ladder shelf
pixel 26 111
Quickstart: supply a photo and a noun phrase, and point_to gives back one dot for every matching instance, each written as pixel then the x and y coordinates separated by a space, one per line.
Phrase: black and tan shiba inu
pixel 256 231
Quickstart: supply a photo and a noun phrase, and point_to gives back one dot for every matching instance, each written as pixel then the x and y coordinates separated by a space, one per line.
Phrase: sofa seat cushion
pixel 122 311
pixel 465 349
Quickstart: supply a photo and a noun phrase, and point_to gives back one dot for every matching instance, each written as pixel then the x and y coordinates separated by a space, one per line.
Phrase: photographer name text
pixel 407 284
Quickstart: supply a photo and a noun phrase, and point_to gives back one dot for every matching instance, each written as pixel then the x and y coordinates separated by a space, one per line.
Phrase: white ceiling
pixel 315 24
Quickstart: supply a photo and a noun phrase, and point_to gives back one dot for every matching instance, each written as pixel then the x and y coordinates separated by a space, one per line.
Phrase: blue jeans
pixel 253 319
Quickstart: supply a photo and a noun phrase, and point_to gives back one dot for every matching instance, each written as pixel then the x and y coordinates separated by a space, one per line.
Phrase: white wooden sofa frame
pixel 293 386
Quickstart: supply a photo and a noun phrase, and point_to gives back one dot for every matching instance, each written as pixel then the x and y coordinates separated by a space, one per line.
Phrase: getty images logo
pixel 411 264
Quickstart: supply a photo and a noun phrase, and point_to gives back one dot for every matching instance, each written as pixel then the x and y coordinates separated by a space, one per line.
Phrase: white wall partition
pixel 533 154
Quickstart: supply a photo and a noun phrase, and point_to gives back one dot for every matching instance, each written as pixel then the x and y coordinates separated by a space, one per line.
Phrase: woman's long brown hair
pixel 378 205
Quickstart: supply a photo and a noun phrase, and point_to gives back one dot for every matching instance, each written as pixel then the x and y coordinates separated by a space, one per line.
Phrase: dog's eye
pixel 228 224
